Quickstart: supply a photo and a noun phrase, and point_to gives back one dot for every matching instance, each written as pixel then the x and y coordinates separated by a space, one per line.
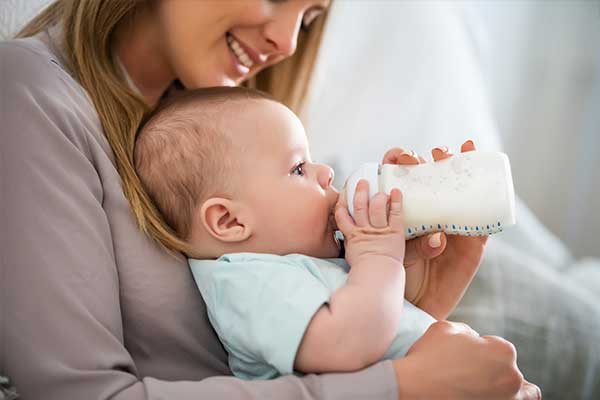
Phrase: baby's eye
pixel 298 169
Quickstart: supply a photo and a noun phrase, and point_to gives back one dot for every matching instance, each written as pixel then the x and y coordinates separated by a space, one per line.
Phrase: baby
pixel 230 170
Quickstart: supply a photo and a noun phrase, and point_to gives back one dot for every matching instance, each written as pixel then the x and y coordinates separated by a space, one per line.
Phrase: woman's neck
pixel 138 46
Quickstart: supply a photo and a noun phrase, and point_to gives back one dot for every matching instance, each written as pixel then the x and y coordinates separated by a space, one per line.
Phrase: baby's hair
pixel 183 151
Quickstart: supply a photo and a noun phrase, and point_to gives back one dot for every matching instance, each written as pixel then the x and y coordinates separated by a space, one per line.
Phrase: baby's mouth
pixel 332 222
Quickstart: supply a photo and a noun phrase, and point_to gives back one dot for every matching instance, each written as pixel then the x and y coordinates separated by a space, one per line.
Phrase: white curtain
pixel 541 62
pixel 14 13
pixel 518 75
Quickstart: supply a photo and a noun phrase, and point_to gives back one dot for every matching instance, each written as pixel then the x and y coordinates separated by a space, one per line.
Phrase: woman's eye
pixel 298 170
pixel 309 17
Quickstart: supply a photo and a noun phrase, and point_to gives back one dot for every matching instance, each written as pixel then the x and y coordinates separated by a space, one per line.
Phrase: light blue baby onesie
pixel 261 304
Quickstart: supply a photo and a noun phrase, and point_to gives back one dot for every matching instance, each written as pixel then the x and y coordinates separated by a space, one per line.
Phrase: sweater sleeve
pixel 61 329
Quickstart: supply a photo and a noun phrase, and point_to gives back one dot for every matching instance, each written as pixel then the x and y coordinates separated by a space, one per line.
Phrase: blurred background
pixel 518 75
pixel 541 64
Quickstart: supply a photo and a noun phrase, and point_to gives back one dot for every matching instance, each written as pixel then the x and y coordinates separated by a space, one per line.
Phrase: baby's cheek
pixel 319 224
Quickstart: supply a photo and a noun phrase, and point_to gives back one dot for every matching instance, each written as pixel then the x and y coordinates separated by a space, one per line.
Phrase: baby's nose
pixel 325 176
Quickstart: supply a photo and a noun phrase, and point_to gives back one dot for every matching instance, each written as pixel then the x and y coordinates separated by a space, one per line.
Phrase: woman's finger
pixel 424 248
pixel 528 391
pixel 378 205
pixel 411 158
pixel 361 203
pixel 399 156
pixel 467 329
pixel 467 146
pixel 391 156
pixel 460 327
pixel 441 153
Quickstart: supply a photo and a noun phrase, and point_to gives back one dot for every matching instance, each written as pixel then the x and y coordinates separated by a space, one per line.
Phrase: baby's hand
pixel 377 230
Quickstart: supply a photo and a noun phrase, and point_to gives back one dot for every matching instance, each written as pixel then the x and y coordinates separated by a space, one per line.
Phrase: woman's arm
pixel 450 361
pixel 62 333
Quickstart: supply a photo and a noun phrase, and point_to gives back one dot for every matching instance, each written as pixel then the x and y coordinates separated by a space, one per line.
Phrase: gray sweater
pixel 90 308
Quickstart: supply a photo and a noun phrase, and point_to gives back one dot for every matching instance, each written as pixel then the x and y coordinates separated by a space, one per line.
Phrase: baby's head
pixel 230 171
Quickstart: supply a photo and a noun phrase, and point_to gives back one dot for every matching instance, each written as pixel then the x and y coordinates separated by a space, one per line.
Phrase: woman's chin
pixel 222 81
pixel 210 81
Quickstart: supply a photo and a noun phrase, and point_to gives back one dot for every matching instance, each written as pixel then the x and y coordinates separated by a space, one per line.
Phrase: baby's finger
pixel 378 206
pixel 467 146
pixel 344 220
pixel 361 203
pixel 441 153
pixel 396 210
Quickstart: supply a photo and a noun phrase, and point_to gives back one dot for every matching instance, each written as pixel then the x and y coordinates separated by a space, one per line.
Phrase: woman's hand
pixel 450 361
pixel 440 267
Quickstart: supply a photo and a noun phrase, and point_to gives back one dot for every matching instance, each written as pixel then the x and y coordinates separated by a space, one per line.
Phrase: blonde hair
pixel 87 28
pixel 184 135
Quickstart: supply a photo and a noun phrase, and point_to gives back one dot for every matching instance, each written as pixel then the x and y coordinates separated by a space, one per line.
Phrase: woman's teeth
pixel 239 52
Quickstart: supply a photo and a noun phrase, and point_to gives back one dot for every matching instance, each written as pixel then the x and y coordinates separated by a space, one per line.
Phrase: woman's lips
pixel 244 58
pixel 254 57
pixel 238 50
pixel 239 68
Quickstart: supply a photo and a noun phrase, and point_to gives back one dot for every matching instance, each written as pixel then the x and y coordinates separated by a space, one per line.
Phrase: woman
pixel 96 309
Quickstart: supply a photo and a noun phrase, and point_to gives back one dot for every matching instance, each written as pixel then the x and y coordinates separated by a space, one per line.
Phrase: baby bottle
pixel 468 194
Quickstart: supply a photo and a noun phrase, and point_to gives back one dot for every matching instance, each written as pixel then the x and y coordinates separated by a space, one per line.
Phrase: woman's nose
pixel 282 34
pixel 325 176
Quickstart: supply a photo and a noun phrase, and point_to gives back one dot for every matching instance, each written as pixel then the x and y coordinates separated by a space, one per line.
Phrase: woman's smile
pixel 238 51
pixel 244 58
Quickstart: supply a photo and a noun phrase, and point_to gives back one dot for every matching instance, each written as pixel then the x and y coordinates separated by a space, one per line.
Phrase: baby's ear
pixel 223 220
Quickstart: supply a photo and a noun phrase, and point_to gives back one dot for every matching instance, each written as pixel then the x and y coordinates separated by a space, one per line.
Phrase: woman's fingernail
pixel 409 158
pixel 435 240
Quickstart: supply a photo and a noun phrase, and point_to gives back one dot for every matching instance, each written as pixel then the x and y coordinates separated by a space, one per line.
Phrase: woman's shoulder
pixel 28 60
pixel 35 65
pixel 39 93
pixel 28 45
